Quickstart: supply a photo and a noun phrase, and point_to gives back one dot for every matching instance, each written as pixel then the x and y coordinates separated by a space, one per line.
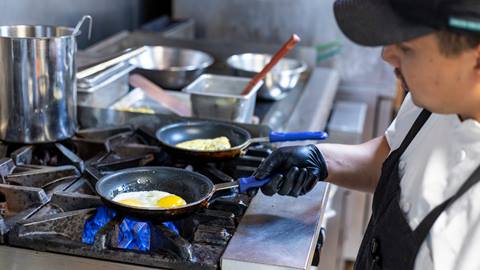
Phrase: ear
pixel 477 55
pixel 476 65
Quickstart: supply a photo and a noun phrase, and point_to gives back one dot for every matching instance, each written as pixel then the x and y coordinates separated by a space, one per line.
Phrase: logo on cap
pixel 464 24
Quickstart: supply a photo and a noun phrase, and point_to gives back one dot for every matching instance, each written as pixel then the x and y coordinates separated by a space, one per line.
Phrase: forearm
pixel 355 166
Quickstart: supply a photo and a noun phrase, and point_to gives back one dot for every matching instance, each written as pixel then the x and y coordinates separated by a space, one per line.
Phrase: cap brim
pixel 375 23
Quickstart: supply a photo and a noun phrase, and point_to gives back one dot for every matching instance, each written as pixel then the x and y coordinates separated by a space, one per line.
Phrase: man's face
pixel 436 82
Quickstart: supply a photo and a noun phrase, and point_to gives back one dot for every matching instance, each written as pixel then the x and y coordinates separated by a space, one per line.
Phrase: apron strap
pixel 382 191
pixel 417 125
pixel 422 230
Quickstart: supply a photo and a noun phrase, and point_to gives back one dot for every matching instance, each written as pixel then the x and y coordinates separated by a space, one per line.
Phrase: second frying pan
pixel 239 138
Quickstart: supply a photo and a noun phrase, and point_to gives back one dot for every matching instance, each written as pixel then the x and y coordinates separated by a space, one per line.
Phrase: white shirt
pixel 434 166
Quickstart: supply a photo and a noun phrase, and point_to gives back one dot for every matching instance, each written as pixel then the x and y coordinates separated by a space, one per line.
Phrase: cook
pixel 425 168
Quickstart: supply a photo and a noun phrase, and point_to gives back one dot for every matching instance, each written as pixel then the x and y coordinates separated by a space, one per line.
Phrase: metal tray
pixel 138 101
pixel 104 88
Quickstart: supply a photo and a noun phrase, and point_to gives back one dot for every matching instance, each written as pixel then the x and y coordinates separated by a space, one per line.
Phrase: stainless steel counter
pixel 278 232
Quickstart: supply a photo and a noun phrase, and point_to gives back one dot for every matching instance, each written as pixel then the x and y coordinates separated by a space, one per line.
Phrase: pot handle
pixel 246 183
pixel 297 136
pixel 80 23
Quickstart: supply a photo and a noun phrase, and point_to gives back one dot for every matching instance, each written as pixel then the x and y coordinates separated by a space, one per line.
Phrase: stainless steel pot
pixel 37 83
pixel 38 89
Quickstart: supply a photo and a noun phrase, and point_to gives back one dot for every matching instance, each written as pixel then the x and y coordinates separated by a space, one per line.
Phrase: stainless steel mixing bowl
pixel 278 82
pixel 171 68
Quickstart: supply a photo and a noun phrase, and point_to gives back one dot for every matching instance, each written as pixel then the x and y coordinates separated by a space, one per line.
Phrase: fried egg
pixel 151 199
pixel 216 144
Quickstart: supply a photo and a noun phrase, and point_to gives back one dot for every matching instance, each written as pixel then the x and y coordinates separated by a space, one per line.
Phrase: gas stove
pixel 273 232
pixel 48 201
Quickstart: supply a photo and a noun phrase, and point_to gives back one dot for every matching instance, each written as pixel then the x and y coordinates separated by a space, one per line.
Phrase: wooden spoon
pixel 160 96
pixel 291 42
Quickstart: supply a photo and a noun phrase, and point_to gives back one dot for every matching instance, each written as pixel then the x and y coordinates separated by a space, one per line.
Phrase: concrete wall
pixel 273 21
pixel 266 21
pixel 109 16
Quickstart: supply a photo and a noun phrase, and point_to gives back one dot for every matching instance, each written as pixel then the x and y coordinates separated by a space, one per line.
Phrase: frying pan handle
pixel 297 136
pixel 246 183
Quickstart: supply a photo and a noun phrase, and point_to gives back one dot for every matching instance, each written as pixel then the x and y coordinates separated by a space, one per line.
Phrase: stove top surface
pixel 47 199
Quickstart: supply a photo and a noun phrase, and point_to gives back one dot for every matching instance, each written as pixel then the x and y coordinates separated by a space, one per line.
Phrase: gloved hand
pixel 294 170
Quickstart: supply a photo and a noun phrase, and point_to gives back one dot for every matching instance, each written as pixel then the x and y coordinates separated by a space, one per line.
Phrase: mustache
pixel 399 75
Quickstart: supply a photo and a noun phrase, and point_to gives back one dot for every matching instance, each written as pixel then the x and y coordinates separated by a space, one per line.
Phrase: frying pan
pixel 239 138
pixel 193 187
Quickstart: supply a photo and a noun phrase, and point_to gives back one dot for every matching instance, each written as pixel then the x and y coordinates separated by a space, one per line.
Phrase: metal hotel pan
pixel 239 138
pixel 193 187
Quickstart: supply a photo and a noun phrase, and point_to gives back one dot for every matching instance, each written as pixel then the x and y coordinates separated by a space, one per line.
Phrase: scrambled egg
pixel 154 199
pixel 216 144
pixel 138 110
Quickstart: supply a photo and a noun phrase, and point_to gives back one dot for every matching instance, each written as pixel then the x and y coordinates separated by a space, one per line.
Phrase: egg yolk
pixel 170 201
pixel 131 202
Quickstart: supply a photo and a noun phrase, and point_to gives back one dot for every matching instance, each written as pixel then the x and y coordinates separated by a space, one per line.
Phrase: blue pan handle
pixel 246 183
pixel 297 136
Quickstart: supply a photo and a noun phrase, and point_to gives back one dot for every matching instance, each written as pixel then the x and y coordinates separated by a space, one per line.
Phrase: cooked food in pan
pixel 154 198
pixel 137 110
pixel 216 144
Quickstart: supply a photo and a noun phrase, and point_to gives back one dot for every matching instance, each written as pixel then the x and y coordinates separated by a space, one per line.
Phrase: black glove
pixel 294 170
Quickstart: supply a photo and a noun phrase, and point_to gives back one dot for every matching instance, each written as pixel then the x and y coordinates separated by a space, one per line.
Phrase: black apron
pixel 389 243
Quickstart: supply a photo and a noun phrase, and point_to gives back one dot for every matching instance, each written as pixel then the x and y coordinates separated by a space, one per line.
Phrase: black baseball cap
pixel 385 22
